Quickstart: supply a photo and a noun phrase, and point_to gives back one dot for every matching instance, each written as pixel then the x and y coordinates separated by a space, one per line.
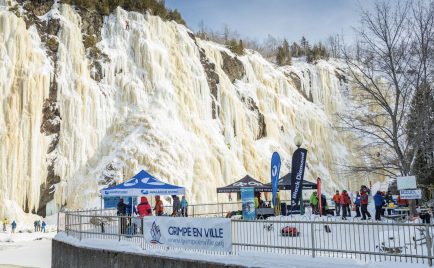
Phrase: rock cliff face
pixel 86 103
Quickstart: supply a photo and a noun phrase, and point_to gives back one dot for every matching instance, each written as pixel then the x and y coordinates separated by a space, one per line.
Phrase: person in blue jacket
pixel 357 204
pixel 43 226
pixel 14 226
pixel 379 202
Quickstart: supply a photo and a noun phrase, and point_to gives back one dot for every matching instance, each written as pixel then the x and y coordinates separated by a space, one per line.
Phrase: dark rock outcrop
pixel 251 105
pixel 211 77
pixel 233 67
pixel 296 82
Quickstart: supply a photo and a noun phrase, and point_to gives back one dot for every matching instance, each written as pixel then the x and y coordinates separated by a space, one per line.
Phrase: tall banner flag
pixel 318 183
pixel 297 174
pixel 275 170
pixel 248 203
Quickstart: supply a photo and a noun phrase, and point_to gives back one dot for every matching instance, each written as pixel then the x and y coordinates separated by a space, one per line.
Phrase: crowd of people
pixel 344 204
pixel 144 209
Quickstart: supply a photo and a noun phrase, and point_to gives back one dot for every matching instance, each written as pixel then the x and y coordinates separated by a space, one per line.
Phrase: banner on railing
pixel 193 233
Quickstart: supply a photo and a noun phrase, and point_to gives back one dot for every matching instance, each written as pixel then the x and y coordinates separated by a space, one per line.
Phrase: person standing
pixel 337 199
pixel 357 204
pixel 35 224
pixel 364 200
pixel 184 207
pixel 314 202
pixel 158 206
pixel 5 223
pixel 14 226
pixel 389 200
pixel 345 203
pixel 379 202
pixel 39 225
pixel 144 209
pixel 176 205
pixel 121 212
pixel 43 226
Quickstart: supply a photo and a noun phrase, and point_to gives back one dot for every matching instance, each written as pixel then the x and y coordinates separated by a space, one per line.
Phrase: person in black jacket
pixel 122 212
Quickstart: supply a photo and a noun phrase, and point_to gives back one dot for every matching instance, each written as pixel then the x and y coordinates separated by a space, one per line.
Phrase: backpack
pixel 290 231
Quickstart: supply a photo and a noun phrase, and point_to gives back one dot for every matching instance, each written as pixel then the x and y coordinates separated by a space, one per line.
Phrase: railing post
pixel 120 226
pixel 428 244
pixel 58 221
pixel 193 210
pixel 80 226
pixel 312 235
pixel 222 210
pixel 67 223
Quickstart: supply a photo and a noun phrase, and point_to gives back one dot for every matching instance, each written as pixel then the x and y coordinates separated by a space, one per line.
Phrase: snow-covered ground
pixel 26 247
pixel 250 259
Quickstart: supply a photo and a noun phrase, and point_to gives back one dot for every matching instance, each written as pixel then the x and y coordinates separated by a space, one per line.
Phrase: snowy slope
pixel 152 109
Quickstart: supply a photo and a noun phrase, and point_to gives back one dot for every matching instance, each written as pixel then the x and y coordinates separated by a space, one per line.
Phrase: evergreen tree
pixel 305 46
pixel 420 134
pixel 283 56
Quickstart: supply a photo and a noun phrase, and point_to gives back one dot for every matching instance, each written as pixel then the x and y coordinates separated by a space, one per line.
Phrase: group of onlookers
pixel 38 224
pixel 143 209
pixel 344 203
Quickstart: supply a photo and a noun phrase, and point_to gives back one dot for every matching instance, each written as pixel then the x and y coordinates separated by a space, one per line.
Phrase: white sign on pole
pixel 195 233
pixel 408 182
pixel 410 194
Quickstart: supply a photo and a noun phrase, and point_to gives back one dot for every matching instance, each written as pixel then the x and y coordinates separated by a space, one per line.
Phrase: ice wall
pixel 153 110
pixel 24 83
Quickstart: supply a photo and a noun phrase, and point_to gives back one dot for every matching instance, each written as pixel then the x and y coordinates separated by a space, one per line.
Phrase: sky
pixel 290 19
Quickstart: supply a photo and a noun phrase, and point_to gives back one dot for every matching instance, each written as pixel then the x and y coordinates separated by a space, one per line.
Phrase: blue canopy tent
pixel 141 184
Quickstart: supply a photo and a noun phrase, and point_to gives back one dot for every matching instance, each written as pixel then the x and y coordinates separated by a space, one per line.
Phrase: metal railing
pixel 365 240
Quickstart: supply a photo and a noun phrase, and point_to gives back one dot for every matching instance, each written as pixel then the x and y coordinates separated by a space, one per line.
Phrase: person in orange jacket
pixel 337 199
pixel 158 206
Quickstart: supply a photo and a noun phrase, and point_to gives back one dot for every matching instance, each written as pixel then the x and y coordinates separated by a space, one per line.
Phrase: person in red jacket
pixel 345 203
pixel 144 208
pixel 364 199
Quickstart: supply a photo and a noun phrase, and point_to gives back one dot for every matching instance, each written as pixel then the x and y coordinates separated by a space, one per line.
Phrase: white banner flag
pixel 195 233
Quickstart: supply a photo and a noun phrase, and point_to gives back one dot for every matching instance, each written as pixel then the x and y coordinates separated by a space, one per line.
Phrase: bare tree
pixel 334 45
pixel 389 67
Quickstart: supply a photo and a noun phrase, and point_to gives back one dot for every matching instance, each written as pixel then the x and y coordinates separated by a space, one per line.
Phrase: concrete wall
pixel 66 255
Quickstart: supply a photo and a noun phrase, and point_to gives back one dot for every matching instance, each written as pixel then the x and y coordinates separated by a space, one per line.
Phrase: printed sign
pixel 248 203
pixel 194 233
pixel 408 182
pixel 297 174
pixel 410 194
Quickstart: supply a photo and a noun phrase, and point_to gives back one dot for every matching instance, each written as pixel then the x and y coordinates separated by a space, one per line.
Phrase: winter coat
pixel 357 201
pixel 324 201
pixel 345 199
pixel 184 203
pixel 122 208
pixel 159 207
pixel 364 198
pixel 44 224
pixel 144 208
pixel 314 199
pixel 378 200
pixel 388 198
pixel 176 204
pixel 337 198
pixel 14 225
